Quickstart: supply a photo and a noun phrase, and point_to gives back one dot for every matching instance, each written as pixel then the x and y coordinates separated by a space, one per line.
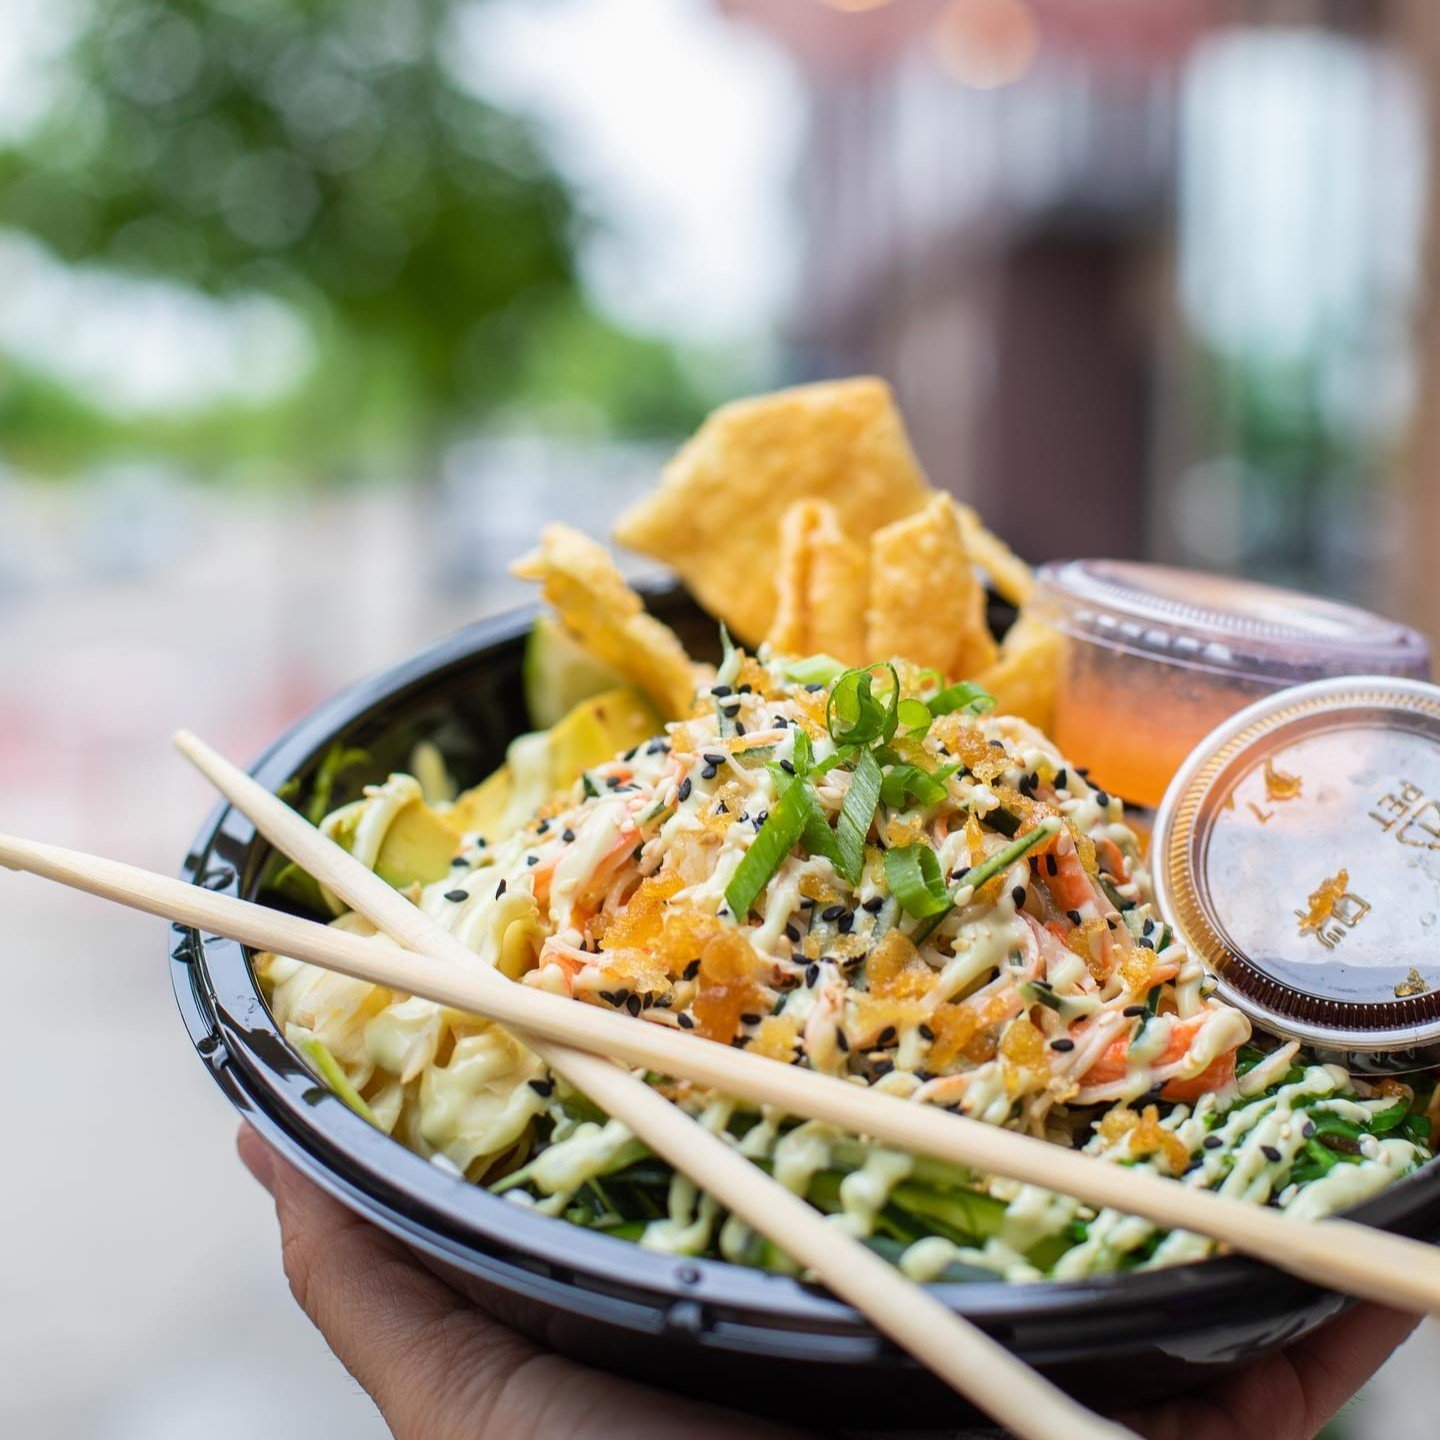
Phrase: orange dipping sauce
pixel 1155 657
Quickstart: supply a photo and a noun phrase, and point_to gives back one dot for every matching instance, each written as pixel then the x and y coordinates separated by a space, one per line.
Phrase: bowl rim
pixel 586 1271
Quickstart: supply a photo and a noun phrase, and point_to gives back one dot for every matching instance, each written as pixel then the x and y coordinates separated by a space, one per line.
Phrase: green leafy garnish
pixel 913 874
pixel 967 697
pixel 856 812
pixel 974 878
pixel 814 670
pixel 772 843
pixel 854 714
pixel 915 716
pixel 905 785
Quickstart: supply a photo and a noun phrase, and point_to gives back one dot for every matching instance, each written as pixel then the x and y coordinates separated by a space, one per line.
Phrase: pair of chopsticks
pixel 1336 1253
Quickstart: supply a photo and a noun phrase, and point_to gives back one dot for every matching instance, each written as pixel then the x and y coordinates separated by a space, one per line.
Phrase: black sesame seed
pixel 1309 1129
pixel 457 897
pixel 883 1067
pixel 1018 896
pixel 841 1041
pixel 631 753
pixel 500 889
pixel 532 859
pixel 846 923
pixel 832 912
pixel 720 690
pixel 998 744
pixel 750 1018
pixel 745 690
pixel 787 766
pixel 712 759
pixel 691 970
pixel 1051 868
pixel 730 708
pixel 761 818
pixel 683 793
pixel 1101 798
pixel 885 1037
pixel 684 1022
pixel 875 904
pixel 1060 779
pixel 1062 1045
pixel 460 861
pixel 813 687
pixel 541 1087
pixel 542 827
pixel 567 835
pixel 961 873
pixel 792 934
pixel 1270 1153
pixel 707 772
pixel 807 903
pixel 1073 916
pixel 632 1004
pixel 926 1033
pixel 1212 1142
pixel 1133 1010
pixel 739 728
pixel 812 973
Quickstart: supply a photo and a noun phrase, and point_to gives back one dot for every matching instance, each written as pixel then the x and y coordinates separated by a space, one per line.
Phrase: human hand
pixel 439 1367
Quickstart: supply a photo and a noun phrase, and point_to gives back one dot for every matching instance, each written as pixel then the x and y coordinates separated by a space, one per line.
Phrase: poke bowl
pixel 763 1340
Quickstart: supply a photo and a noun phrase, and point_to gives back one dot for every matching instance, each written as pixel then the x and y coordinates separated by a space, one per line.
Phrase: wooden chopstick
pixel 976 1366
pixel 1338 1253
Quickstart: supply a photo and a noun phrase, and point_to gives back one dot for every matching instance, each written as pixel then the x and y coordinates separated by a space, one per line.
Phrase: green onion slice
pixel 856 812
pixel 987 869
pixel 915 715
pixel 814 670
pixel 772 843
pixel 907 785
pixel 913 874
pixel 967 697
pixel 854 715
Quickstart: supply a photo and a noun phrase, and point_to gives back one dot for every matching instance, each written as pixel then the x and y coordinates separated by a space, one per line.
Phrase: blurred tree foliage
pixel 322 151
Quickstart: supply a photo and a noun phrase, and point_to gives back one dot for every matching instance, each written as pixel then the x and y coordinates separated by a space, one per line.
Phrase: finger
pixel 1334 1362
pixel 397 1328
pixel 438 1368
pixel 1289 1395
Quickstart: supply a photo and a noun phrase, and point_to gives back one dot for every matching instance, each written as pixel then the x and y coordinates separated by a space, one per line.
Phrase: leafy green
pixel 774 841
pixel 854 715
pixel 967 697
pixel 814 670
pixel 913 874
pixel 856 812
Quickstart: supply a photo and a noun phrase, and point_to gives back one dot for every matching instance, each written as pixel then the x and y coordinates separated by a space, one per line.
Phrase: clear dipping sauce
pixel 1154 658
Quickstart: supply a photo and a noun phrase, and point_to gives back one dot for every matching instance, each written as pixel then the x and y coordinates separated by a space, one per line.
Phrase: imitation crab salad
pixel 850 846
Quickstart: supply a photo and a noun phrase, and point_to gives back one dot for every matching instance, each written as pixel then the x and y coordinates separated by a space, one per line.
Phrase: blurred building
pixel 1142 270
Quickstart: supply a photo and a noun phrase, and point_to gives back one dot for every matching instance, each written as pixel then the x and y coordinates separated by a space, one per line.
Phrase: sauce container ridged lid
pixel 1297 853
pixel 1153 657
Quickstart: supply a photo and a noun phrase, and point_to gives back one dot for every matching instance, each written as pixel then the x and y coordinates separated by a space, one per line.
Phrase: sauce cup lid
pixel 1242 627
pixel 1297 854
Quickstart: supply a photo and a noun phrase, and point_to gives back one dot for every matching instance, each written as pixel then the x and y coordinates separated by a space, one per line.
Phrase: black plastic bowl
pixel 723 1332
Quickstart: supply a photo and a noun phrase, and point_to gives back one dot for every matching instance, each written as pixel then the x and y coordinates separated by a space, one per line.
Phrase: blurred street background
pixel 310 315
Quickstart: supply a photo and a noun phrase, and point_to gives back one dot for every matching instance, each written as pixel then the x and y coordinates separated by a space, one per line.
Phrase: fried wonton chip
pixel 822 585
pixel 580 580
pixel 926 602
pixel 716 517
pixel 1008 573
pixel 1024 679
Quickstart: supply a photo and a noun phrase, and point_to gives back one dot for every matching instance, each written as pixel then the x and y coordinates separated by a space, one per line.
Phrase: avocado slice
pixel 559 672
pixel 546 762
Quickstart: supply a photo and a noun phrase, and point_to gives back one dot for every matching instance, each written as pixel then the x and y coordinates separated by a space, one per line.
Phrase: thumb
pixel 438 1368
pixel 407 1337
